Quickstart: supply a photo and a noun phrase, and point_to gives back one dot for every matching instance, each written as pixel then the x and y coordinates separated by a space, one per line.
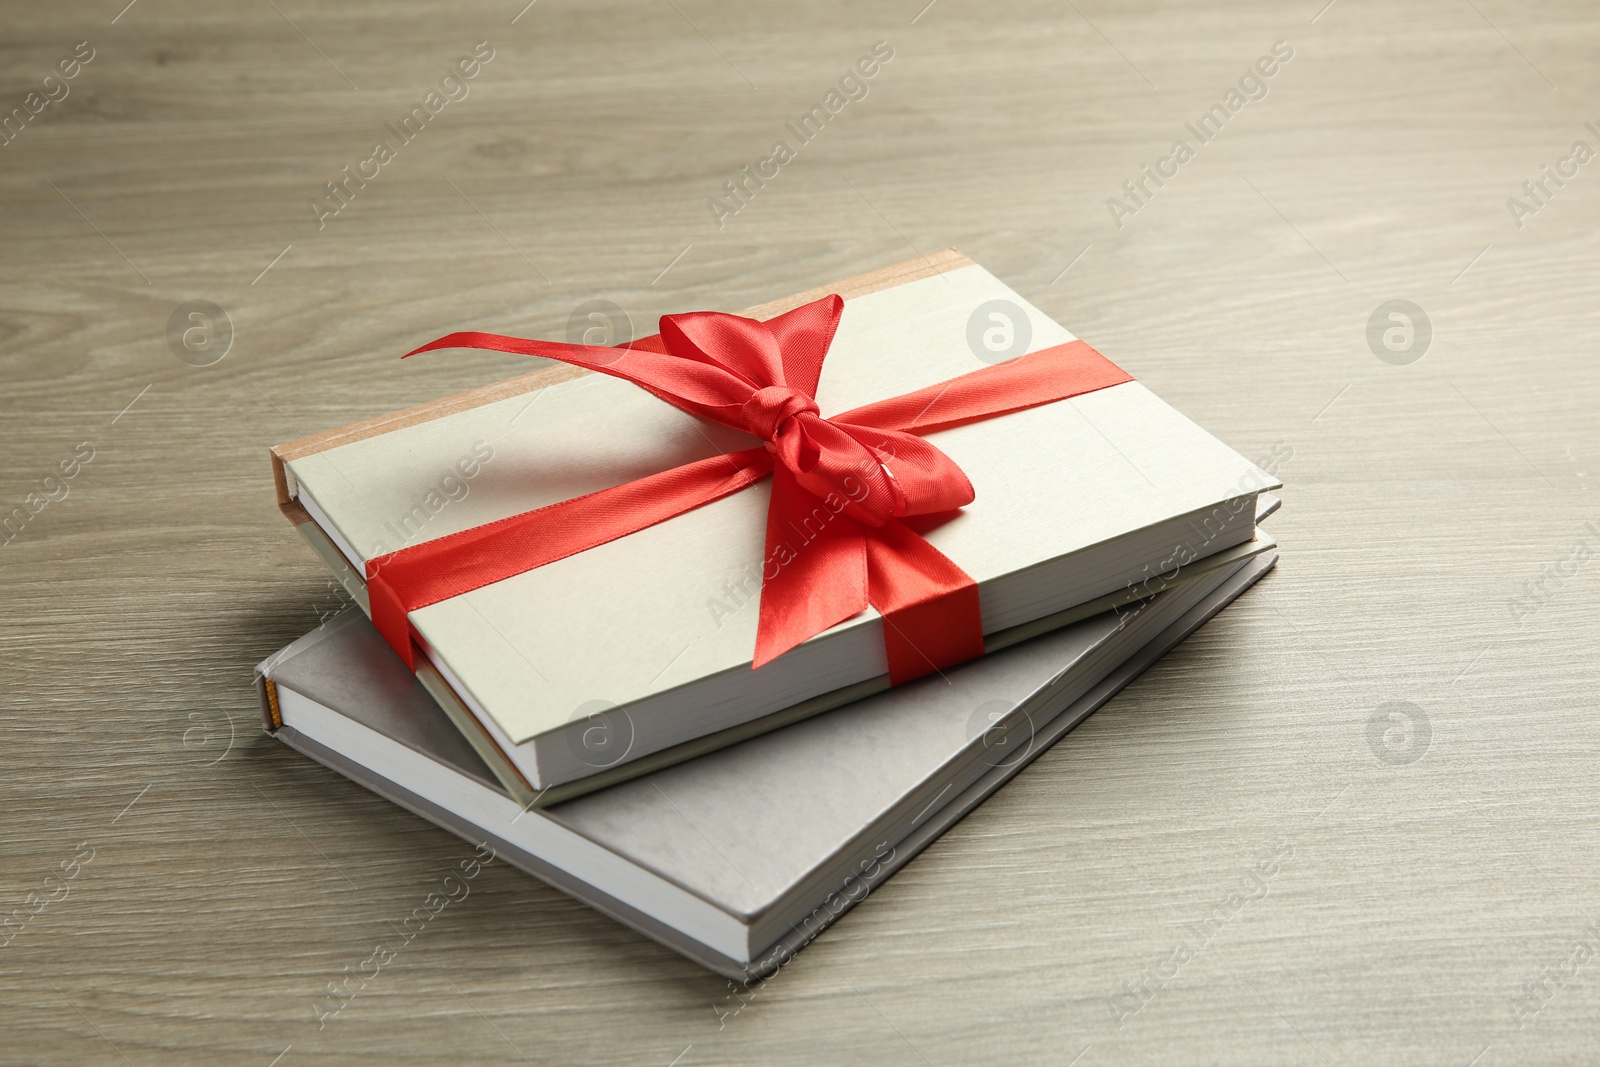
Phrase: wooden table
pixel 1403 714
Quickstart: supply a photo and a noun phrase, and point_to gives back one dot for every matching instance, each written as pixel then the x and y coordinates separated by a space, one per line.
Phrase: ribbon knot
pixel 766 411
pixel 840 485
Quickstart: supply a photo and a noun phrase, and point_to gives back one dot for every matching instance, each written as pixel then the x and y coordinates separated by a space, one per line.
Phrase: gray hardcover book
pixel 740 857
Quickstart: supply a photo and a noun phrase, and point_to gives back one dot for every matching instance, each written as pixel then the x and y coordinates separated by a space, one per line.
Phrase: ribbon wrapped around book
pixel 856 477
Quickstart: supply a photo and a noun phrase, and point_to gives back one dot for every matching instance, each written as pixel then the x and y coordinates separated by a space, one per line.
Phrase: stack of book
pixel 596 715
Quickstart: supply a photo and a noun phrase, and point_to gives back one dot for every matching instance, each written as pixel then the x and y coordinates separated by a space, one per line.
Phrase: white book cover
pixel 646 642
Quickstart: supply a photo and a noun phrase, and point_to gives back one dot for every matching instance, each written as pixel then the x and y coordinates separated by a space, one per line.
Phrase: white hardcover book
pixel 646 643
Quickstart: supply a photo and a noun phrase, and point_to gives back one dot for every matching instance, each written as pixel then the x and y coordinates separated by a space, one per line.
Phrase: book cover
pixel 740 857
pixel 647 641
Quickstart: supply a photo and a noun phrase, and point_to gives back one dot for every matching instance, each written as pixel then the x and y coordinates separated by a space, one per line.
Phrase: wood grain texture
pixel 1428 907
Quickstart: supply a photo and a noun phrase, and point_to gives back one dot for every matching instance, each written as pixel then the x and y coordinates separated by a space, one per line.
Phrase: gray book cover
pixel 740 857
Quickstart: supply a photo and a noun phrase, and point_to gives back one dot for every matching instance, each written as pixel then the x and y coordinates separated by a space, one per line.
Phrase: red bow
pixel 841 485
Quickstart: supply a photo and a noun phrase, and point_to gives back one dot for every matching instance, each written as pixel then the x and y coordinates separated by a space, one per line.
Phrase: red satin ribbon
pixel 842 486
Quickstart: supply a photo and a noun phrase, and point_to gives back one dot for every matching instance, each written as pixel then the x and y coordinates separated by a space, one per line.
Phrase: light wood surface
pixel 1424 902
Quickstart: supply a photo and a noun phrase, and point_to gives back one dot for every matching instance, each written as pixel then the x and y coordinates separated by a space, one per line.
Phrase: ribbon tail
pixel 931 617
pixel 1041 377
pixel 390 618
pixel 814 573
